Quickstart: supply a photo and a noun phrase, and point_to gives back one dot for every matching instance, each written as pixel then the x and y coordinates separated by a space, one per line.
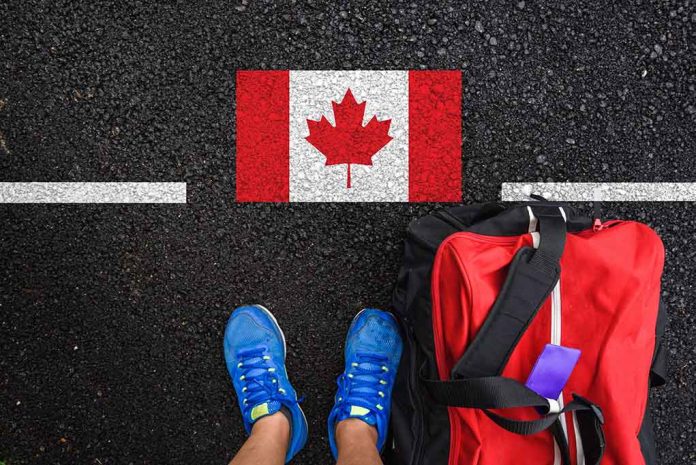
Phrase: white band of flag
pixel 92 192
pixel 601 191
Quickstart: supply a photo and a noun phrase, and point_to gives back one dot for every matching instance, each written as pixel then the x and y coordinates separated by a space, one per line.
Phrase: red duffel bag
pixel 532 337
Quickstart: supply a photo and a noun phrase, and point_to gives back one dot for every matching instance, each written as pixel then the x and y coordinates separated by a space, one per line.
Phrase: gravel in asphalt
pixel 111 317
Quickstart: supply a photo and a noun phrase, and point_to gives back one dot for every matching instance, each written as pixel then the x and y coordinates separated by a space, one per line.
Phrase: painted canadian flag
pixel 348 136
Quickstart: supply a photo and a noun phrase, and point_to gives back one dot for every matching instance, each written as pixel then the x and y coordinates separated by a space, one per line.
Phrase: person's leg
pixel 357 443
pixel 267 443
pixel 359 420
pixel 254 348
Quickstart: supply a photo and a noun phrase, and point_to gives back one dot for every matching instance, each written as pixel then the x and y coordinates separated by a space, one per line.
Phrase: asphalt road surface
pixel 111 317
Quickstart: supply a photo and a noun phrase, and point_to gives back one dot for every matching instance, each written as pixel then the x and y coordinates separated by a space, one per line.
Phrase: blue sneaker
pixel 372 353
pixel 255 355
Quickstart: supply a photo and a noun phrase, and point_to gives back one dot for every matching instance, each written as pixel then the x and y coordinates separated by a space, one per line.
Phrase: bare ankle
pixel 355 430
pixel 276 425
pixel 357 443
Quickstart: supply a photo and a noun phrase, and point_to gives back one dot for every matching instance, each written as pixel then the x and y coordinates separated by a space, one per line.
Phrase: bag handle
pixel 532 276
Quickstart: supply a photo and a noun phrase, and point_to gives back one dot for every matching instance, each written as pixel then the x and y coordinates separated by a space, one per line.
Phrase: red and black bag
pixel 482 292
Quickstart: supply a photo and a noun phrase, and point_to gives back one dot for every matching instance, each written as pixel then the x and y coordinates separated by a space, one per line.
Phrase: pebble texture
pixel 111 317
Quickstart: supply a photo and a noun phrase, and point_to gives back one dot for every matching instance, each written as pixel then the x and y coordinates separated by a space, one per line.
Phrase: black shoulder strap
pixel 532 276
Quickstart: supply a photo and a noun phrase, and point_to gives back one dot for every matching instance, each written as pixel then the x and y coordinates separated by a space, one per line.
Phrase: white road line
pixel 92 192
pixel 603 191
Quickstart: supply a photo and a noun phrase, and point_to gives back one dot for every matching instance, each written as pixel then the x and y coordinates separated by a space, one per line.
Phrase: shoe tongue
pixel 262 409
pixel 362 413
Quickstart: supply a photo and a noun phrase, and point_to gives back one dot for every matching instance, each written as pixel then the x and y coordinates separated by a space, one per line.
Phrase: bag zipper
pixel 555 327
pixel 556 340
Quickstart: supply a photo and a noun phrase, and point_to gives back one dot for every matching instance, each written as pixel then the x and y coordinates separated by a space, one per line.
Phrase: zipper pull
pixel 597 207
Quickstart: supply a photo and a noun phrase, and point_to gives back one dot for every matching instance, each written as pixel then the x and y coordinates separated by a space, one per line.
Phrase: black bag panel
pixel 411 296
pixel 420 428
pixel 658 370
pixel 404 421
pixel 646 436
pixel 658 377
pixel 422 240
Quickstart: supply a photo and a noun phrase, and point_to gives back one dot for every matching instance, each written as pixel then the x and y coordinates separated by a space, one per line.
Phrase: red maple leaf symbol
pixel 349 141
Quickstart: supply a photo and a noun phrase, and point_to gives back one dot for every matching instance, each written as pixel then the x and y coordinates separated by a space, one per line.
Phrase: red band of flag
pixel 435 133
pixel 263 142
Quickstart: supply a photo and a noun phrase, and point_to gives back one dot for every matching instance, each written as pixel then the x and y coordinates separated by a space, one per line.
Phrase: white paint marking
pixel 92 192
pixel 601 191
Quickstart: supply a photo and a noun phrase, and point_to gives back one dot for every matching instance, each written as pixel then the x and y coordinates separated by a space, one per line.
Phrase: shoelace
pixel 259 378
pixel 365 382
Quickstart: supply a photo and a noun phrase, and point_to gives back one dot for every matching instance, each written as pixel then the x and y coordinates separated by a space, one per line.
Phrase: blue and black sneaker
pixel 372 353
pixel 255 355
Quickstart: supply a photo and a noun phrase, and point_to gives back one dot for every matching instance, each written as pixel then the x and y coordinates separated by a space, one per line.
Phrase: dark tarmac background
pixel 111 317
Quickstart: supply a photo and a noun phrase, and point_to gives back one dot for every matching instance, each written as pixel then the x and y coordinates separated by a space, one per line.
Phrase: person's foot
pixel 255 355
pixel 372 354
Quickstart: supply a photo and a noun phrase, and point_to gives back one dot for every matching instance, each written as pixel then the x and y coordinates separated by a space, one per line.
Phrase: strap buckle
pixel 554 406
